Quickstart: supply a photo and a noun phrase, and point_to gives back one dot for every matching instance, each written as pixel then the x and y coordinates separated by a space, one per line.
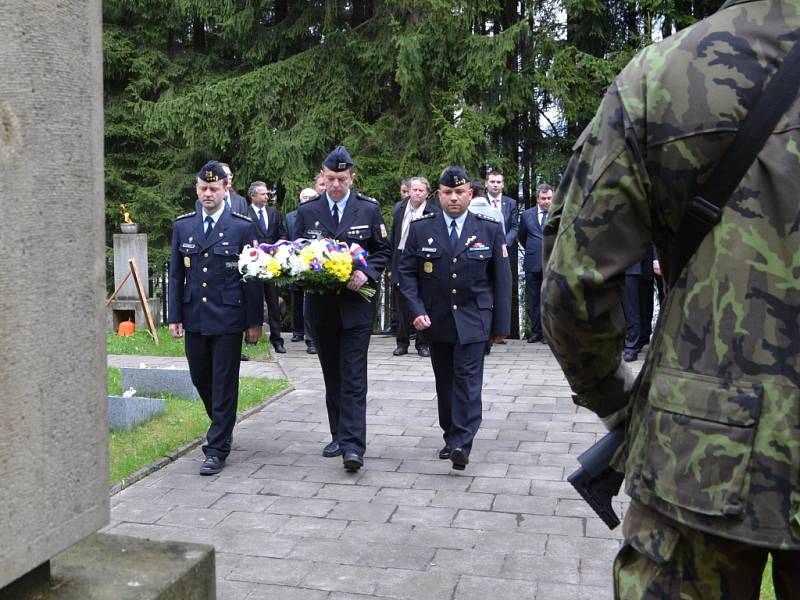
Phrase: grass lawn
pixel 182 421
pixel 141 343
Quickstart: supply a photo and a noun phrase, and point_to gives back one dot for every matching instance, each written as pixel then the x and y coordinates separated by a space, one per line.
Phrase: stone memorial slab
pixel 124 413
pixel 154 380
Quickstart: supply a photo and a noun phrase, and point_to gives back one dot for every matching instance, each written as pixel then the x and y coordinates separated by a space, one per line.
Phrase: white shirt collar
pixel 215 215
pixel 341 203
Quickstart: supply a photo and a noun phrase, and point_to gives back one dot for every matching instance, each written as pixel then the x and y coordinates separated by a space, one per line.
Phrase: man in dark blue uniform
pixel 455 276
pixel 210 306
pixel 342 322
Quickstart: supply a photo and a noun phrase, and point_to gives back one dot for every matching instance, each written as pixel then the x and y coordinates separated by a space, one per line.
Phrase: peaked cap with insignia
pixel 212 171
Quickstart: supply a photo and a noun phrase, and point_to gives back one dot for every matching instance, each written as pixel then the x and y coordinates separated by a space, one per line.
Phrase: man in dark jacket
pixel 531 225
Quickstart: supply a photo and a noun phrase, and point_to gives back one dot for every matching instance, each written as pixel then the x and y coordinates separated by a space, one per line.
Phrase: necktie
pixel 453 234
pixel 209 225
pixel 495 202
pixel 261 219
pixel 544 219
pixel 335 214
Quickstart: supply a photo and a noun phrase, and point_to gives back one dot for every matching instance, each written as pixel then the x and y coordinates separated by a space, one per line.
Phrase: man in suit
pixel 232 199
pixel 210 306
pixel 455 277
pixel 300 327
pixel 270 230
pixel 342 322
pixel 531 226
pixel 637 306
pixel 405 211
pixel 495 184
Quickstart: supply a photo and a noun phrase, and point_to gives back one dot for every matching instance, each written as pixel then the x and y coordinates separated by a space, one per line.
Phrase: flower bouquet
pixel 317 266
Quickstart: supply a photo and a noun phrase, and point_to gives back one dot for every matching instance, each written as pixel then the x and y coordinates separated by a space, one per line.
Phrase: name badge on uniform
pixel 187 262
pixel 314 234
pixel 428 249
pixel 354 227
pixel 187 245
pixel 383 230
pixel 427 267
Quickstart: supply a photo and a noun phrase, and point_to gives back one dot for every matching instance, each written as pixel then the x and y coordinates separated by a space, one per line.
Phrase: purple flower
pixel 315 265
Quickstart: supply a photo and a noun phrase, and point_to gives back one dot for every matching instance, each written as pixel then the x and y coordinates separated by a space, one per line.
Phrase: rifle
pixel 596 481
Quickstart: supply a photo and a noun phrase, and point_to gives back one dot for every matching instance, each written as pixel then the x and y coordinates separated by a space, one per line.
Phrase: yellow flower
pixel 340 265
pixel 272 268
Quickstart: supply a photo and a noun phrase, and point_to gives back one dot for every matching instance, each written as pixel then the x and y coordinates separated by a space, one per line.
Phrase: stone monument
pixel 54 428
pixel 127 246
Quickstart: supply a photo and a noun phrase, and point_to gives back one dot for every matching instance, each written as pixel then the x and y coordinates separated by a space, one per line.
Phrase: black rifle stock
pixel 595 480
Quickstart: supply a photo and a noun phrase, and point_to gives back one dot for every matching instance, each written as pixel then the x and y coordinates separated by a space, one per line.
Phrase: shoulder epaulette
pixel 363 196
pixel 241 216
pixel 189 214
pixel 487 218
pixel 429 215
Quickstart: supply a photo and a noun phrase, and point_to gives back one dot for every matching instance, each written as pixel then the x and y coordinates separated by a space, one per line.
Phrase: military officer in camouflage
pixel 713 424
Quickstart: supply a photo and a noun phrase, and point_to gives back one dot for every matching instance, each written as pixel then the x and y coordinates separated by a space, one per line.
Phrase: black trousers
pixel 533 294
pixel 297 312
pixel 214 367
pixel 458 369
pixel 404 320
pixel 343 357
pixel 273 312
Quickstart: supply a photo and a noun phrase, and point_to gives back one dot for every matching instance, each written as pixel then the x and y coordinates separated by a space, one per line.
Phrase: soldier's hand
pixel 176 330
pixel 357 280
pixel 422 322
pixel 253 333
pixel 496 339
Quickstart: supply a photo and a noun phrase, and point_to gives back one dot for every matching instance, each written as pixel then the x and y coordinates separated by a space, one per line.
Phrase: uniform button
pixel 205 255
pixel 455 307
pixel 205 269
pixel 205 299
pixel 454 275
pixel 454 290
pixel 455 260
pixel 205 284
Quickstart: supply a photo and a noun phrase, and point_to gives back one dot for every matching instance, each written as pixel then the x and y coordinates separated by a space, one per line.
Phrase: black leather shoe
pixel 311 349
pixel 244 357
pixel 460 458
pixel 535 339
pixel 212 465
pixel 629 356
pixel 352 461
pixel 400 350
pixel 424 351
pixel 444 453
pixel 332 450
pixel 279 348
pixel 297 337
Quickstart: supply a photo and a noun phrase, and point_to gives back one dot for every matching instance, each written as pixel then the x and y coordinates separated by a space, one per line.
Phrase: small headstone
pixel 148 380
pixel 124 413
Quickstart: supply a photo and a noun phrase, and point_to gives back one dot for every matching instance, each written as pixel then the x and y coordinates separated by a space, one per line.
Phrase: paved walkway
pixel 290 524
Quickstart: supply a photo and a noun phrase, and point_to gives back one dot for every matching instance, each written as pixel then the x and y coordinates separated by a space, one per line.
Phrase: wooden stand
pixel 151 328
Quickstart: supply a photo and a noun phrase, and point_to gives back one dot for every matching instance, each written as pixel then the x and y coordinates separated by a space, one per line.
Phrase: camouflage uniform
pixel 714 420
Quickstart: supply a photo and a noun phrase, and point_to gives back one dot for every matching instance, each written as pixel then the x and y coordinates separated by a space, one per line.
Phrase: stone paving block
pixel 281 472
pixel 124 413
pixel 459 499
pixel 477 468
pixel 362 511
pixel 350 578
pixel 480 588
pixel 244 502
pixel 376 533
pixel 232 590
pixel 282 592
pixel 539 569
pixel 569 507
pixel 468 562
pixel 334 491
pixel 513 458
pixel 573 546
pixel 508 542
pixel 276 458
pixel 193 517
pixel 562 591
pixel 595 528
pixel 180 481
pixel 423 516
pixel 442 482
pixel 496 485
pixel 433 466
pixel 478 519
pixel 596 573
pixel 252 521
pixel 291 489
pixel 405 497
pixel 281 571
pixel 140 511
pixel 252 543
pixel 333 472
pixel 536 472
pixel 544 447
pixel 532 505
pixel 385 479
pixel 560 526
pixel 190 498
pixel 396 556
pixel 413 585
pixel 309 507
pixel 312 527
pixel 338 552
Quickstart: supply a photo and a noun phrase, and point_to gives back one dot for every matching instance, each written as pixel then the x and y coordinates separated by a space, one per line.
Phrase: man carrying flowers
pixel 342 318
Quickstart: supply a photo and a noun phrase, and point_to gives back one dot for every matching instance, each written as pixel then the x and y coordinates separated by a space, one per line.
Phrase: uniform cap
pixel 338 160
pixel 212 171
pixel 453 177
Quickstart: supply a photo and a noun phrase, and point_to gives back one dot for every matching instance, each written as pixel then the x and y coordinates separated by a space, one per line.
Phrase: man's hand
pixel 253 333
pixel 496 339
pixel 656 267
pixel 176 330
pixel 422 322
pixel 357 280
